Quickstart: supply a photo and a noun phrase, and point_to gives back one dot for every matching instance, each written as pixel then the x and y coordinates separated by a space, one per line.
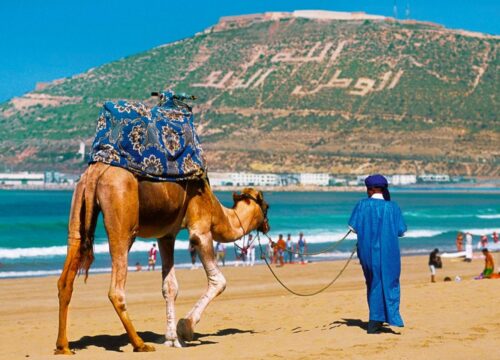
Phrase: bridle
pixel 244 196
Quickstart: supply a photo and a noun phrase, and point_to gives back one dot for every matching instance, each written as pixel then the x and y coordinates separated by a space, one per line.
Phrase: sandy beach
pixel 257 319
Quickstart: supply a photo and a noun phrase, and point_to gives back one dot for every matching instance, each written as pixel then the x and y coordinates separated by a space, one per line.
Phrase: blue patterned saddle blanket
pixel 158 143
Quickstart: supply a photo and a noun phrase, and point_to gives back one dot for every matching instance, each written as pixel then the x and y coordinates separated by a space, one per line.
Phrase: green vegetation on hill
pixel 292 95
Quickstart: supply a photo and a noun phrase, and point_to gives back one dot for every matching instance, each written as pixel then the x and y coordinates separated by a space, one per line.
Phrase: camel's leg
pixel 216 285
pixel 169 288
pixel 65 287
pixel 71 265
pixel 121 213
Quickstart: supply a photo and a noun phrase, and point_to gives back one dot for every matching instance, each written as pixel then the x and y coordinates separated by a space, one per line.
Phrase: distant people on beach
pixel 483 242
pixel 243 252
pixel 138 266
pixel 269 251
pixel 220 251
pixel 434 263
pixel 192 253
pixel 240 254
pixel 281 248
pixel 378 222
pixel 275 253
pixel 489 265
pixel 289 248
pixel 460 241
pixel 468 247
pixel 302 247
pixel 152 257
pixel 494 236
pixel 250 251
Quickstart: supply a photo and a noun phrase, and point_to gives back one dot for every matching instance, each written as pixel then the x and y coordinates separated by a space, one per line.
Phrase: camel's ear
pixel 260 196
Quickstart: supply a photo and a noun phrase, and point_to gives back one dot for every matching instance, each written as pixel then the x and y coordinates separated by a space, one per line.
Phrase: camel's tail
pixel 85 211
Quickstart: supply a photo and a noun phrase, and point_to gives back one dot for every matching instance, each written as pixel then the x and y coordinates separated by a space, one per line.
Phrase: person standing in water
pixel 302 245
pixel 152 257
pixel 468 247
pixel 289 248
pixel 460 241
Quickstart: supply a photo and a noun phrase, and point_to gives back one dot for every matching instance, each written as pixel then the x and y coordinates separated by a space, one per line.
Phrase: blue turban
pixel 379 181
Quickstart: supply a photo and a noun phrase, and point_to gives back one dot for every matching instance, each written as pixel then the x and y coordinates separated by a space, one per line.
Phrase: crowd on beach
pixel 288 251
pixel 483 243
pixel 279 252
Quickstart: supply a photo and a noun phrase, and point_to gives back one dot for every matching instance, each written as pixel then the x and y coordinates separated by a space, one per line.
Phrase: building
pixel 22 178
pixel 337 181
pixel 434 178
pixel 54 177
pixel 81 150
pixel 399 180
pixel 319 179
pixel 251 179
pixel 220 179
pixel 243 179
pixel 289 179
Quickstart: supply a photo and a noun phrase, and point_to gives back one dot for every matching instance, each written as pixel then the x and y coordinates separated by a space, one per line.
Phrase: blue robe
pixel 378 223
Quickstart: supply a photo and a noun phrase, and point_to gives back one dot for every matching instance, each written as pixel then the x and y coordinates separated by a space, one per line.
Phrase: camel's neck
pixel 231 224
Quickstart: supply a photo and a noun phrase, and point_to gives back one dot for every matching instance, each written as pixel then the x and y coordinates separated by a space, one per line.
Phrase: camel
pixel 131 208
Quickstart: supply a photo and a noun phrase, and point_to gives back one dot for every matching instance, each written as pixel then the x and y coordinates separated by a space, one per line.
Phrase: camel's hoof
pixel 63 351
pixel 185 329
pixel 175 343
pixel 144 348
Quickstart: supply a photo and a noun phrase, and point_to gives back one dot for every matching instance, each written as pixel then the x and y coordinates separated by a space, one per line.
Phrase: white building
pixel 243 179
pixel 251 179
pixel 398 179
pixel 320 179
pixel 81 150
pixel 22 178
pixel 403 179
pixel 434 178
pixel 220 178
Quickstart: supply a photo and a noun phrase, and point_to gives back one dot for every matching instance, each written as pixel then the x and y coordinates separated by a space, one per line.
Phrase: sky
pixel 51 39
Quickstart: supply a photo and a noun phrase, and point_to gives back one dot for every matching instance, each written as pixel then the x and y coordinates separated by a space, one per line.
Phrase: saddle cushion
pixel 158 143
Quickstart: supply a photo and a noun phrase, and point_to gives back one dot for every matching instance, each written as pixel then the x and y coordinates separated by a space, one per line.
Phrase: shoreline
pixel 229 264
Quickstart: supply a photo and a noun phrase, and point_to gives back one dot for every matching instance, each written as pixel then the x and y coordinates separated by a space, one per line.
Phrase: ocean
pixel 33 226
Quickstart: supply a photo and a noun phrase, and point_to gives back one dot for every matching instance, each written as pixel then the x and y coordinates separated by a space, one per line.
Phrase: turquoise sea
pixel 33 226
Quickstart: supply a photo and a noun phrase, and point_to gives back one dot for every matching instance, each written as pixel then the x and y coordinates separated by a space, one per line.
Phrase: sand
pixel 257 319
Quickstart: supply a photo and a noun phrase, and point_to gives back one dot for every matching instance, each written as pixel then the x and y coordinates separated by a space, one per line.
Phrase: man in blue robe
pixel 378 223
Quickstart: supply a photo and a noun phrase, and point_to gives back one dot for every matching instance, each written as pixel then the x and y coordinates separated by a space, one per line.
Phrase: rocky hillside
pixel 283 92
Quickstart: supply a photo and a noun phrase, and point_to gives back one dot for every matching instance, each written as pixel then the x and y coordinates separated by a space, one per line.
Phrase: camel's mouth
pixel 264 227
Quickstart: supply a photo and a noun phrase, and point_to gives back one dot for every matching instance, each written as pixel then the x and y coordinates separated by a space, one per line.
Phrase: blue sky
pixel 45 40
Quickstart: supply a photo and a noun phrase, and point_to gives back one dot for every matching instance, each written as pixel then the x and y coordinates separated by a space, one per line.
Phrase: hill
pixel 304 91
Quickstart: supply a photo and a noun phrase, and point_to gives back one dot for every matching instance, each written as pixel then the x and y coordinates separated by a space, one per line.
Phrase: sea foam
pixel 489 216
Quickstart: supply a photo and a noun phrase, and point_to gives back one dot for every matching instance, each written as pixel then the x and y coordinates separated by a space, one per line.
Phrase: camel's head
pixel 251 195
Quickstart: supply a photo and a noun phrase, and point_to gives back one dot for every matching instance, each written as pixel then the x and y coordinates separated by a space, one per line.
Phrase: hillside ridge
pixel 346 93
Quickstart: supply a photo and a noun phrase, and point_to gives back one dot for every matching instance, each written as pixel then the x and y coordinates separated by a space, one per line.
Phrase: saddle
pixel 158 143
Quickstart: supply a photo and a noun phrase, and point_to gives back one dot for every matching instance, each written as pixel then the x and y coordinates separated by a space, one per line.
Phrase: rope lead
pixel 315 292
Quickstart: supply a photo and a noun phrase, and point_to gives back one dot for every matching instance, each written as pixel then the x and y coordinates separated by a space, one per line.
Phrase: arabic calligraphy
pixel 316 54
pixel 287 56
pixel 361 87
pixel 216 80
